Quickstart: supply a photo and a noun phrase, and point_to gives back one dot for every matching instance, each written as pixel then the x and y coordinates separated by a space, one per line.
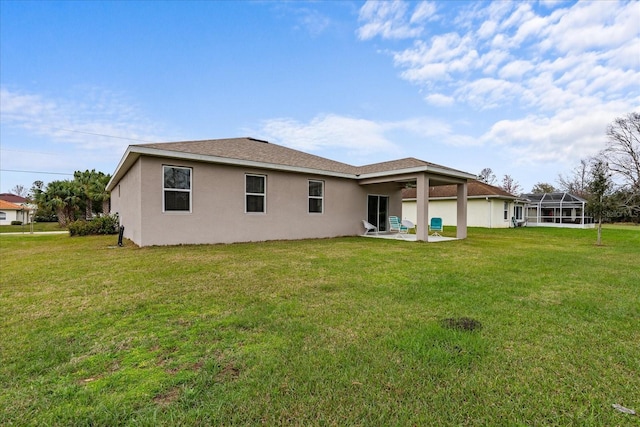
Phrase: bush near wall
pixel 16 222
pixel 107 224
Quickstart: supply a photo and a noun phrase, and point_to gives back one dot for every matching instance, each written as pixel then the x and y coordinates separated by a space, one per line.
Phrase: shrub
pixel 106 224
pixel 16 222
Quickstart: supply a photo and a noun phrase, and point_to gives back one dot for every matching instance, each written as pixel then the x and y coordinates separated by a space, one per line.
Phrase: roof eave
pixel 133 152
pixel 419 169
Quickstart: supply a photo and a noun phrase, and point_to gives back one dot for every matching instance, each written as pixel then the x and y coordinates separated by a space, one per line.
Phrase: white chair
pixel 368 227
pixel 401 228
pixel 406 227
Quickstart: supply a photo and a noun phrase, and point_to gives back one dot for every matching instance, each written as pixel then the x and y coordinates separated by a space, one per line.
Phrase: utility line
pixel 99 134
pixel 31 152
pixel 48 173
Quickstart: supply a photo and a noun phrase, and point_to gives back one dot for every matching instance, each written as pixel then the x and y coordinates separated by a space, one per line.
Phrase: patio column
pixel 461 224
pixel 422 202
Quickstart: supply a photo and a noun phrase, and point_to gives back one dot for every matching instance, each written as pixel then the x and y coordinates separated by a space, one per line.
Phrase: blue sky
pixel 524 88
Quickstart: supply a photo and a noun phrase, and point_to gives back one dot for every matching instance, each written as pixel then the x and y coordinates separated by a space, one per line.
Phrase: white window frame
pixel 263 195
pixel 506 211
pixel 310 197
pixel 3 216
pixel 517 208
pixel 178 190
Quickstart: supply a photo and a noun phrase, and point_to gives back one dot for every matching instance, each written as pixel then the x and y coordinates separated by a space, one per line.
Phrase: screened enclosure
pixel 557 210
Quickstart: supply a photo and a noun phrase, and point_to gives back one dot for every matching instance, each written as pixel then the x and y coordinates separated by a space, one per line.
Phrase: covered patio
pixel 409 237
pixel 421 175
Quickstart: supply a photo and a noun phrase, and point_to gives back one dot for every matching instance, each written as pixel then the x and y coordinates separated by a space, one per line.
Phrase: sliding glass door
pixel 378 211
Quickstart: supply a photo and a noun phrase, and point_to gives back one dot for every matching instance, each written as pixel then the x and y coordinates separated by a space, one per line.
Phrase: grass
pixel 347 331
pixel 26 228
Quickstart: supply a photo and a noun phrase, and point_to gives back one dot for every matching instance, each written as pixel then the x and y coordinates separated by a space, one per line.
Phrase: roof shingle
pixel 10 206
pixel 474 189
pixel 254 150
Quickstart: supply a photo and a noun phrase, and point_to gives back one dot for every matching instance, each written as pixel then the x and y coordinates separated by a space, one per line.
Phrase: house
pixel 245 189
pixel 487 206
pixel 13 198
pixel 10 212
pixel 559 209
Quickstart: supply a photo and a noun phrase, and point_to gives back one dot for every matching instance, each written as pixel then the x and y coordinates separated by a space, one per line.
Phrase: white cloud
pixel 589 26
pixel 561 138
pixel 312 21
pixel 487 93
pixel 425 11
pixel 327 131
pixel 361 139
pixel 390 20
pixel 499 56
pixel 515 69
pixel 96 119
pixel 440 100
pixel 552 74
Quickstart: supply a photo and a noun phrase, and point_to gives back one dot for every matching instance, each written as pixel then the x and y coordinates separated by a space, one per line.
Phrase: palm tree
pixel 93 186
pixel 99 191
pixel 63 198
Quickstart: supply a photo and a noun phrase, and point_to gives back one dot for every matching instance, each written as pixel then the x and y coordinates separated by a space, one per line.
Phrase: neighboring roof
pixel 13 198
pixel 555 198
pixel 252 152
pixel 10 206
pixel 474 189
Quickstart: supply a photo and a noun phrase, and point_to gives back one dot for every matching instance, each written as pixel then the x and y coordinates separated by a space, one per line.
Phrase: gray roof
pixel 254 150
pixel 258 153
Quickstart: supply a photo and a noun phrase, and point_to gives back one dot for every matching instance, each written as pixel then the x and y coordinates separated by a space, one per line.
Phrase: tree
pixel 86 192
pixel 19 190
pixel 543 187
pixel 100 192
pixel 600 186
pixel 510 185
pixel 487 175
pixel 577 183
pixel 63 198
pixel 622 154
pixel 36 189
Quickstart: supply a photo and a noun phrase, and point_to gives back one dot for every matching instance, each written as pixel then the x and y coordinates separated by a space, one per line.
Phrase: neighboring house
pixel 12 212
pixel 244 189
pixel 13 198
pixel 487 205
pixel 557 210
pixel 28 209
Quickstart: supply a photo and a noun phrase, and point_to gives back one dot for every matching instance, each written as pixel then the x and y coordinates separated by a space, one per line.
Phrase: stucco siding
pixel 480 212
pixel 218 206
pixel 13 215
pixel 126 202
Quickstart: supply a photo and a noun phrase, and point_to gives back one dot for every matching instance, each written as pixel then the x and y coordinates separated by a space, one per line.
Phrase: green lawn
pixel 345 331
pixel 26 228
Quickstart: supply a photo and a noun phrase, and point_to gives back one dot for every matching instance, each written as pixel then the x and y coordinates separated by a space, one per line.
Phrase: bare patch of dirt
pixel 461 324
pixel 167 398
pixel 228 373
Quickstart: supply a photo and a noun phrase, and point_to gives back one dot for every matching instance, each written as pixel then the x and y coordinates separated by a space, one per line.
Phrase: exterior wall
pixel 13 215
pixel 218 206
pixel 126 200
pixel 480 212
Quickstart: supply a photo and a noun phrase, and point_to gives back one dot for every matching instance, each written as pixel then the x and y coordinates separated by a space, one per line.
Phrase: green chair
pixel 436 226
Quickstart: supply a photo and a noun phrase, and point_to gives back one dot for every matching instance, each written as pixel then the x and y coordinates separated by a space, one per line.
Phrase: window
pixel 255 193
pixel 518 213
pixel 316 195
pixel 176 189
pixel 506 211
pixel 3 216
